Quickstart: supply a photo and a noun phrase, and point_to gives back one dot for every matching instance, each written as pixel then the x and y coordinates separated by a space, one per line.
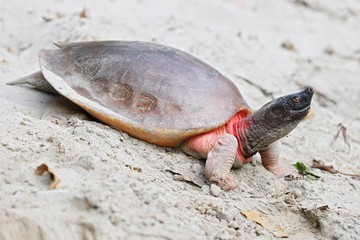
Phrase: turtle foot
pixel 226 182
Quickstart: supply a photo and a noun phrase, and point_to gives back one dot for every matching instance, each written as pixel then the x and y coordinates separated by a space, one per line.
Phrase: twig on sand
pixel 329 168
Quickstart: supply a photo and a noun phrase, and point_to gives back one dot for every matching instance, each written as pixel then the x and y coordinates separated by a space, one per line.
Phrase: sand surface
pixel 114 186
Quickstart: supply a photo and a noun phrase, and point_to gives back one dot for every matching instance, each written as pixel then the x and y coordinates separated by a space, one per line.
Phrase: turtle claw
pixel 226 183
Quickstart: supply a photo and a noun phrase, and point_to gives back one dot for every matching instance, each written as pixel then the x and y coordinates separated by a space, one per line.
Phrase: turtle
pixel 165 96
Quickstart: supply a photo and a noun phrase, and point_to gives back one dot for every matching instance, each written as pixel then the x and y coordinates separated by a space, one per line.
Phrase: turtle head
pixel 287 110
pixel 275 120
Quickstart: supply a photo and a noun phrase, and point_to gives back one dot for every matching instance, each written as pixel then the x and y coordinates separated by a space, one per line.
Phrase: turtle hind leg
pixel 35 80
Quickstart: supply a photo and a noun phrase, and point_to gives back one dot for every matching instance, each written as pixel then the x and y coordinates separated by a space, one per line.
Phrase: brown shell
pixel 155 93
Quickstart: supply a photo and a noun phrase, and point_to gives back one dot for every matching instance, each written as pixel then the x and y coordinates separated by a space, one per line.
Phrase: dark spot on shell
pixel 145 102
pixel 99 84
pixel 175 108
pixel 120 92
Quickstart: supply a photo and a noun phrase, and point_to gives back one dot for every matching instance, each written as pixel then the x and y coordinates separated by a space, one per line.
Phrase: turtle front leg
pixel 270 160
pixel 219 161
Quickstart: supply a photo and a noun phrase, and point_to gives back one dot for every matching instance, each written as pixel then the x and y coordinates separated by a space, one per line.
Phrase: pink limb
pixel 220 160
pixel 270 160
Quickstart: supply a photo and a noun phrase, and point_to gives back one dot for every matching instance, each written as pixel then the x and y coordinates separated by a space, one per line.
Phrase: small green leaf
pixel 303 169
pixel 300 167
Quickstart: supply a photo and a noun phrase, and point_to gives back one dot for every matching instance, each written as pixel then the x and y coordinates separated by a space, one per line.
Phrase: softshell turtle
pixel 167 97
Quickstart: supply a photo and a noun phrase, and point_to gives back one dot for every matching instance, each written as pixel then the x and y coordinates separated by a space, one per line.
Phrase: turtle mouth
pixel 301 109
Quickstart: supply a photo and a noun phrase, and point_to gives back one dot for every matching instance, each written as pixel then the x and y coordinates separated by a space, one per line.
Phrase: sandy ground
pixel 116 187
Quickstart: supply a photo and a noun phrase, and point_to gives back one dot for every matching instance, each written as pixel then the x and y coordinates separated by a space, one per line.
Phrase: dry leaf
pixel 263 221
pixel 44 168
pixel 329 168
pixel 320 165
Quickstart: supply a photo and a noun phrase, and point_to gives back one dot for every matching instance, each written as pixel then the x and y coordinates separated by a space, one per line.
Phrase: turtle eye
pixel 295 99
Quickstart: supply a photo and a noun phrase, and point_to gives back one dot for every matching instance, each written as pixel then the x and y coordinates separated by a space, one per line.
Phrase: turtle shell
pixel 153 92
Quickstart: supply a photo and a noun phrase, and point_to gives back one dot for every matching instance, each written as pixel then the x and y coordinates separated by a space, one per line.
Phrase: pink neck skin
pixel 199 146
pixel 236 126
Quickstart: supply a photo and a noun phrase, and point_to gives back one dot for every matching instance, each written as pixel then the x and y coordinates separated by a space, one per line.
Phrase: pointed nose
pixel 310 90
pixel 307 94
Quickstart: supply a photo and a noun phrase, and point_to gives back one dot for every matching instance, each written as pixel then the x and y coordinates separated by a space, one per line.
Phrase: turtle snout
pixel 307 94
pixel 310 90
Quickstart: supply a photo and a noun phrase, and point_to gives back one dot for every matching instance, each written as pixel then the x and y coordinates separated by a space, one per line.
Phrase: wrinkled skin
pixel 226 146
